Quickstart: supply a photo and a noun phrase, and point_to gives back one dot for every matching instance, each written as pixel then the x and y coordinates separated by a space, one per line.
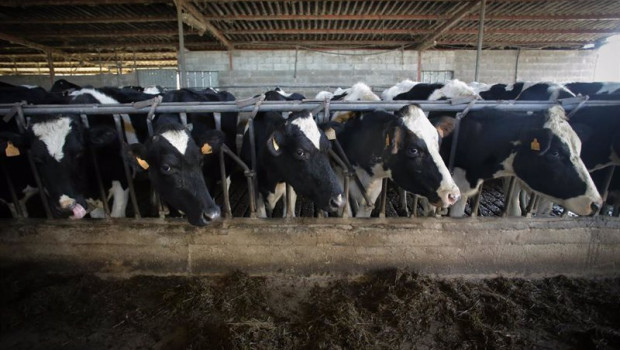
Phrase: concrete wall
pixel 522 247
pixel 257 69
pixel 381 69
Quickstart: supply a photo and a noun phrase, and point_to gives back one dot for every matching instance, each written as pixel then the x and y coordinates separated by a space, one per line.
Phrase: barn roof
pixel 94 35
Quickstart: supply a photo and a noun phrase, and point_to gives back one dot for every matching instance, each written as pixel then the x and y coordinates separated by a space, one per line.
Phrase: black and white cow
pixel 539 148
pixel 292 151
pixel 523 91
pixel 595 90
pixel 64 87
pixel 404 147
pixel 173 161
pixel 410 90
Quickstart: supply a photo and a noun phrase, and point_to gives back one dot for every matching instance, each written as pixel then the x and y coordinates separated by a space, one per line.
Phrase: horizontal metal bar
pixel 307 105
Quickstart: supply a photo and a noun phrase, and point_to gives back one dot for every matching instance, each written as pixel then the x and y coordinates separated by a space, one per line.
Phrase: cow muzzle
pixel 448 197
pixel 336 203
pixel 208 216
pixel 68 204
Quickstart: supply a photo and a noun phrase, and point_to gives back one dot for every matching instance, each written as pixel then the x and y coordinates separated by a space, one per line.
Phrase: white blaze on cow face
pixel 178 139
pixel 417 122
pixel 308 127
pixel 361 92
pixel 53 134
pixel 557 123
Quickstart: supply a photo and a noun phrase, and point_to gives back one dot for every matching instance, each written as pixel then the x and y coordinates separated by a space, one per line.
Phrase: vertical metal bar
pixel 476 202
pixel 253 152
pixel 419 65
pixel 414 210
pixel 403 201
pixel 132 192
pixel 517 65
pixel 9 182
pixel 608 177
pixel 183 117
pixel 531 205
pixel 296 58
pixel 509 194
pixel 93 157
pixel 383 197
pixel 21 125
pixel 347 184
pixel 50 65
pixel 181 54
pixel 483 6
pixel 289 198
pixel 227 208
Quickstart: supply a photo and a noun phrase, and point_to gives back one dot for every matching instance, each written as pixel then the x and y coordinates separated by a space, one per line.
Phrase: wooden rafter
pixel 97 19
pixel 46 49
pixel 464 11
pixel 194 12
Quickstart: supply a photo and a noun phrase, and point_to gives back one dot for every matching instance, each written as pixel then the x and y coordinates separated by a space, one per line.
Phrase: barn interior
pixel 309 282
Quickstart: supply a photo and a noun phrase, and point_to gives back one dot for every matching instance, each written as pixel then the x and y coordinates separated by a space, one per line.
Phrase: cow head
pixel 412 156
pixel 58 146
pixel 547 160
pixel 174 164
pixel 298 151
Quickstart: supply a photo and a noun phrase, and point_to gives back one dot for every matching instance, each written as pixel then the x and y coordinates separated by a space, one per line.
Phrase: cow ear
pixel 136 153
pixel 538 141
pixel 210 141
pixel 583 131
pixel 444 125
pixel 394 140
pixel 331 129
pixel 12 144
pixel 102 137
pixel 275 142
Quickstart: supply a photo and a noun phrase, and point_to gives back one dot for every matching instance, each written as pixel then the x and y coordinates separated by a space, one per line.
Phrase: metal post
pixel 383 197
pixel 132 192
pixel 227 208
pixel 9 182
pixel 93 158
pixel 21 126
pixel 605 192
pixel 517 65
pixel 181 54
pixel 476 202
pixel 483 6
pixel 50 64
pixel 419 65
pixel 508 196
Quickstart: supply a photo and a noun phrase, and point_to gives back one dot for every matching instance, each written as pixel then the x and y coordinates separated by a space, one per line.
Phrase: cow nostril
pixel 595 207
pixel 452 197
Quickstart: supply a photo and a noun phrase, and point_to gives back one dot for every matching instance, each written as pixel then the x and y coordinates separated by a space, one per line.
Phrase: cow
pixel 410 90
pixel 598 127
pixel 292 151
pixel 595 90
pixel 402 146
pixel 64 87
pixel 523 91
pixel 173 161
pixel 202 123
pixel 539 148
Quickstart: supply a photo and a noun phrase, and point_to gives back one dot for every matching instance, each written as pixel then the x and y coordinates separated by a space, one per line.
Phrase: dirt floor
pixel 385 310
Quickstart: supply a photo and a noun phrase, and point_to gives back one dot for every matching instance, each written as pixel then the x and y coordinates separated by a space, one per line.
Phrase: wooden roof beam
pixel 30 3
pixel 99 19
pixel 189 8
pixel 414 17
pixel 459 15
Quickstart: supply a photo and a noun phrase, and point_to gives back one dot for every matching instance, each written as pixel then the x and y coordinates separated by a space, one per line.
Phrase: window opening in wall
pixel 436 76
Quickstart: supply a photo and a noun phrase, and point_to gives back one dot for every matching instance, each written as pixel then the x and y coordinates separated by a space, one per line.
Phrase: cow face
pixel 58 147
pixel 412 156
pixel 174 164
pixel 548 161
pixel 297 151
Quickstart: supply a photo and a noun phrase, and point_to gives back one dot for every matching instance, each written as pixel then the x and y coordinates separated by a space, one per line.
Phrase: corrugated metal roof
pixel 143 33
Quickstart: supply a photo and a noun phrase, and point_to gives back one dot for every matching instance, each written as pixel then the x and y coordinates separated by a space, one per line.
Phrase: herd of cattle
pixel 548 153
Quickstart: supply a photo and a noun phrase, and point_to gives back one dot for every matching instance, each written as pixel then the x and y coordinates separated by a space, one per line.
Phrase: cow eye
pixel 301 153
pixel 555 154
pixel 412 152
pixel 166 169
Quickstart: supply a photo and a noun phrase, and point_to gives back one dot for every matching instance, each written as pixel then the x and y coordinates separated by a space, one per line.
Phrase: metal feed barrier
pixel 248 110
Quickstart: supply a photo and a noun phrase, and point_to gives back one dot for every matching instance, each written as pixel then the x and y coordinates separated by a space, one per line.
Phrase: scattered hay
pixel 390 309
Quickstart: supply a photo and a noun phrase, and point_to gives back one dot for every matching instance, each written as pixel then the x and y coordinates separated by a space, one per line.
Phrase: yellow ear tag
pixel 330 133
pixel 387 140
pixel 206 149
pixel 535 146
pixel 142 163
pixel 11 150
pixel 275 144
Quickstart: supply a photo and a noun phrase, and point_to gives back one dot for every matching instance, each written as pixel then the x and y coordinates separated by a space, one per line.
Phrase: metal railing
pixel 248 110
